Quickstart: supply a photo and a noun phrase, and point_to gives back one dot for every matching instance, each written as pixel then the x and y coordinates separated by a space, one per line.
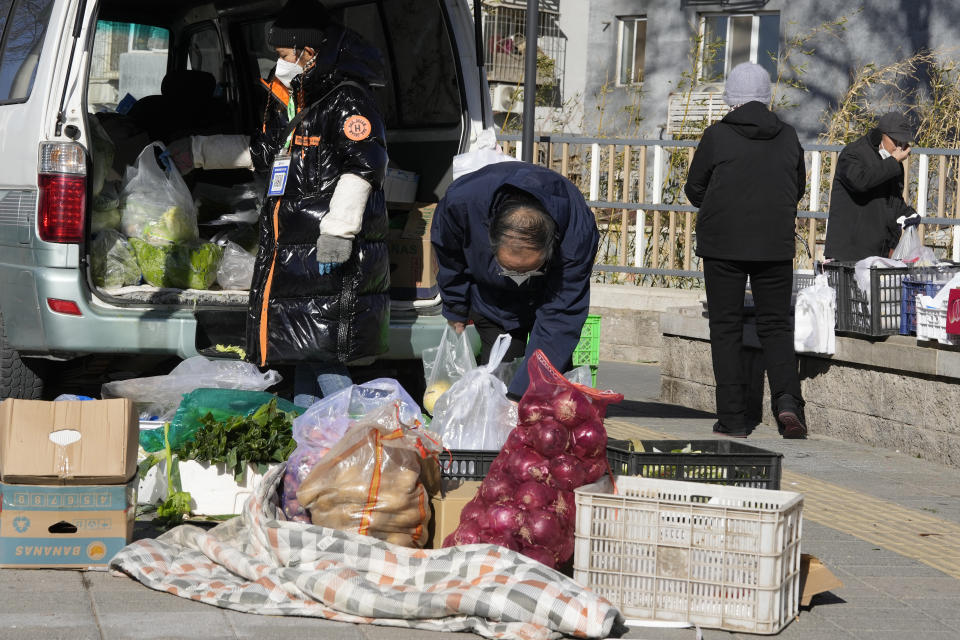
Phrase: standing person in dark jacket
pixel 867 210
pixel 747 177
pixel 515 245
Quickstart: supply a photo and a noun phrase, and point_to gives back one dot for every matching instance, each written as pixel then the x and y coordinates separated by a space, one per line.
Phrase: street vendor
pixel 320 292
pixel 515 244
pixel 867 210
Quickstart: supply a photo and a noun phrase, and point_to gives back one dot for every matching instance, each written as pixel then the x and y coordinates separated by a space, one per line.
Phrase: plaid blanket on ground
pixel 260 563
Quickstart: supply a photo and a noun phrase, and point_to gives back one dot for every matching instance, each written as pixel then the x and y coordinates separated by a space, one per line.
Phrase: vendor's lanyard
pixel 281 164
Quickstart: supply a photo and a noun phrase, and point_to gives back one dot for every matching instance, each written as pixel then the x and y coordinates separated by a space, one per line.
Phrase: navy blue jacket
pixel 553 305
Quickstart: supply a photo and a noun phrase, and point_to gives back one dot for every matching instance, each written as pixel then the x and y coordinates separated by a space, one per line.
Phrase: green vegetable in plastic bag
pixel 180 266
pixel 223 404
pixel 174 225
pixel 112 261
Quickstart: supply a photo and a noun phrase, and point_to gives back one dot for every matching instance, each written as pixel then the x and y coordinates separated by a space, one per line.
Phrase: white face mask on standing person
pixel 884 154
pixel 287 71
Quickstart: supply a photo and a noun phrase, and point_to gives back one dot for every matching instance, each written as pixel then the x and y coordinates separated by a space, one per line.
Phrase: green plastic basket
pixel 588 349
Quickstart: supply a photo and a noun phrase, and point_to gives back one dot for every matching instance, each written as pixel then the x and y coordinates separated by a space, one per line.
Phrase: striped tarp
pixel 260 563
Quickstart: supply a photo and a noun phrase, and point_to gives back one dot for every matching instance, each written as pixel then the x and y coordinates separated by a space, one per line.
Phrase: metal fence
pixel 647 226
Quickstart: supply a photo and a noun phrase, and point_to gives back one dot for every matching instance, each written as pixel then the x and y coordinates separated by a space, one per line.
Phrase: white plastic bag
pixel 580 375
pixel 475 413
pixel 911 250
pixel 487 152
pixel 815 319
pixel 446 364
pixel 155 203
pixel 161 395
pixel 325 422
pixel 236 267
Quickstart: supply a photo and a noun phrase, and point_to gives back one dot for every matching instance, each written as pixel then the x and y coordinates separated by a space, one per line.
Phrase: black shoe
pixel 723 430
pixel 790 419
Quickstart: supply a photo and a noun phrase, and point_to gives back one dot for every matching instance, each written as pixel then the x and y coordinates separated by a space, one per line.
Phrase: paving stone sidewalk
pixel 895 585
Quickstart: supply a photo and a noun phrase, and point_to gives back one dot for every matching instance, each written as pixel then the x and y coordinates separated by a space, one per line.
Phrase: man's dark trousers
pixel 772 286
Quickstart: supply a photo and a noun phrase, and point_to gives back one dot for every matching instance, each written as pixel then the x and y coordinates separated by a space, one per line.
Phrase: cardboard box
pixel 815 578
pixel 446 511
pixel 413 264
pixel 68 442
pixel 72 527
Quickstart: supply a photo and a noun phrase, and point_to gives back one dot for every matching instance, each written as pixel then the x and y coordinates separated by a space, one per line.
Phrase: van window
pixel 23 35
pixel 421 73
pixel 204 53
pixel 127 58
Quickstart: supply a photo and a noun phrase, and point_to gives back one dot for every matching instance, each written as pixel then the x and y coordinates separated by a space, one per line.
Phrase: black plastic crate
pixel 876 313
pixel 620 457
pixel 463 464
pixel 719 462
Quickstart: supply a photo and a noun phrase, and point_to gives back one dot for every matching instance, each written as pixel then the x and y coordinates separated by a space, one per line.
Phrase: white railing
pixel 635 186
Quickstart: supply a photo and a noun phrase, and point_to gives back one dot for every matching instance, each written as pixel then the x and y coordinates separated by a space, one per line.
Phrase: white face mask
pixel 287 71
pixel 884 154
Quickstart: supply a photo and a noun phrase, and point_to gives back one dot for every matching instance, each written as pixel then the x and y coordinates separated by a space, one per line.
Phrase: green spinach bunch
pixel 261 438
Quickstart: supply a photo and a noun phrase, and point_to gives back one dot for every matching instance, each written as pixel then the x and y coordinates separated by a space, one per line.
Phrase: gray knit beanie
pixel 747 82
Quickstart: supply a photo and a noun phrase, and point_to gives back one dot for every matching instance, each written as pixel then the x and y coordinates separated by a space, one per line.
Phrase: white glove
pixel 908 221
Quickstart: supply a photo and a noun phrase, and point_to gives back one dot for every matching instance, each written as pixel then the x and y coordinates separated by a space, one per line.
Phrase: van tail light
pixel 68 307
pixel 62 177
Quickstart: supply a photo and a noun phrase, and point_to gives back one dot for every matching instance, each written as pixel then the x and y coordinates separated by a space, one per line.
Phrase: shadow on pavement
pixel 637 408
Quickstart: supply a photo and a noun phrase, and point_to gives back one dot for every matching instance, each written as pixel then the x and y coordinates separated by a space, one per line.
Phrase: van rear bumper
pixel 33 329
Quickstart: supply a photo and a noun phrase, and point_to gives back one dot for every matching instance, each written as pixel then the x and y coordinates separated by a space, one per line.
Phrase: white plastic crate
pixel 932 325
pixel 213 491
pixel 713 555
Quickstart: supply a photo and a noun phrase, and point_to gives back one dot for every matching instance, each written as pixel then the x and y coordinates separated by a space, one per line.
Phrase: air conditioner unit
pixel 506 98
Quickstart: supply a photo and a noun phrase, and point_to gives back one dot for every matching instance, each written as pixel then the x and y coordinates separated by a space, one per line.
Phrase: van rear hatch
pixel 162 70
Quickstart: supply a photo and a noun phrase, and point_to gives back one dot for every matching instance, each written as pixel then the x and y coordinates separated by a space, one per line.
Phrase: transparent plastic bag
pixel 376 481
pixel 475 412
pixel 580 375
pixel 325 422
pixel 155 202
pixel 446 364
pixel 158 397
pixel 815 318
pixel 236 267
pixel 113 263
pixel 911 250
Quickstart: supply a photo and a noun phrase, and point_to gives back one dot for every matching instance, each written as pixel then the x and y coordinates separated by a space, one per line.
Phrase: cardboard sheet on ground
pixel 260 563
pixel 815 578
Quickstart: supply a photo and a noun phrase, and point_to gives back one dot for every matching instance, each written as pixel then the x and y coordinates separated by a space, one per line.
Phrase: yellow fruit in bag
pixel 433 393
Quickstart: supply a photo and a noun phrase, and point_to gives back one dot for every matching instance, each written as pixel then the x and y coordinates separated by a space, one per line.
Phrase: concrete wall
pixel 883 32
pixel 892 394
pixel 630 324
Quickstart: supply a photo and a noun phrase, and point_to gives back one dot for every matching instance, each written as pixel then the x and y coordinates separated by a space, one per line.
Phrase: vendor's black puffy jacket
pixel 296 314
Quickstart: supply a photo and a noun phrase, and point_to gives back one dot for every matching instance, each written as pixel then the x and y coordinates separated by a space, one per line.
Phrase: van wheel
pixel 17 378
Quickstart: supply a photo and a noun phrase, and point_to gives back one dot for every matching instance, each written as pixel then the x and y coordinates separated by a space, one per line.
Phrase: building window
pixel 632 41
pixel 729 39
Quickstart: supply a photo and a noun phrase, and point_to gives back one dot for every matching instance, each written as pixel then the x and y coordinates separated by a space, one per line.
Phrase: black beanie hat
pixel 301 23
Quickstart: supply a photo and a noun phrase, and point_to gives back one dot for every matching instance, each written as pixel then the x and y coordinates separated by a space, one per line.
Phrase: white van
pixel 68 66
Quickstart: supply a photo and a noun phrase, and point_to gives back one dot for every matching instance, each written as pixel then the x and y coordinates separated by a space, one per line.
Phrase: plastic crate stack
pixel 587 351
pixel 879 311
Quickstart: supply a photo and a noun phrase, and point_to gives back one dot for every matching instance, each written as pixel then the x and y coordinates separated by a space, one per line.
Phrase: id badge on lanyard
pixel 279 174
pixel 280 171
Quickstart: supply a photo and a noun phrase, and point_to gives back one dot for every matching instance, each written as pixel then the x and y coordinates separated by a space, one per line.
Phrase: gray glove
pixel 332 251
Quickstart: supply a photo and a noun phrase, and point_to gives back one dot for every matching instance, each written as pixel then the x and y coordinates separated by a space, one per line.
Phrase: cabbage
pixel 112 262
pixel 142 220
pixel 178 266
